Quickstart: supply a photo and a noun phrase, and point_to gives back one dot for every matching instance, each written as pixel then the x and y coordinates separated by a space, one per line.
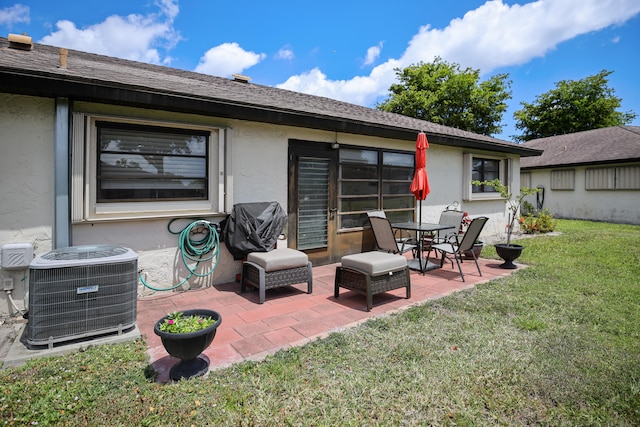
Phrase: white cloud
pixel 360 90
pixel 496 35
pixel 136 37
pixel 493 35
pixel 227 59
pixel 373 53
pixel 169 8
pixel 16 14
pixel 285 53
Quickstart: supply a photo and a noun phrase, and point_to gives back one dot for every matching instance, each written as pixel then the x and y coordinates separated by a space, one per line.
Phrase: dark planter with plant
pixel 507 251
pixel 185 335
pixel 477 249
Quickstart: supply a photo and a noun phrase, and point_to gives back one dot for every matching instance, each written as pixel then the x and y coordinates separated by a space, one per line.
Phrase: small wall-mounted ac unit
pixel 81 291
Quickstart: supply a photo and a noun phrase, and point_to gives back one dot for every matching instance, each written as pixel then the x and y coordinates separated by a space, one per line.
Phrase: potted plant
pixel 509 252
pixel 464 224
pixel 185 335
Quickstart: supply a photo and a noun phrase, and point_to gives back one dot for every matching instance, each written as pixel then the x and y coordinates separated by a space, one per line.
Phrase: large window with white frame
pixel 143 163
pixel 484 168
pixel 126 168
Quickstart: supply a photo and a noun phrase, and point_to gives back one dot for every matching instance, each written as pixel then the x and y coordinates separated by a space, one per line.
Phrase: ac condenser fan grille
pixel 72 302
pixel 84 252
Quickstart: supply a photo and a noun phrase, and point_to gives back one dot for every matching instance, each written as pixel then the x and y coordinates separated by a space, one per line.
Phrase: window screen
pixel 563 179
pixel 143 163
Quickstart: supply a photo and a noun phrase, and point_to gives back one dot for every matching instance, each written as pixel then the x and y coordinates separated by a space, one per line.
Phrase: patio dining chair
pixel 385 238
pixel 410 239
pixel 457 249
pixel 447 217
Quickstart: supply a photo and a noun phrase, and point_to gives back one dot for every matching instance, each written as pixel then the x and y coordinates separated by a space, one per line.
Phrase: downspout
pixel 61 227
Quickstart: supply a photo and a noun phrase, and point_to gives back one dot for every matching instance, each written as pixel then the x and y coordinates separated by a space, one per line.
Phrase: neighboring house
pixel 592 175
pixel 100 150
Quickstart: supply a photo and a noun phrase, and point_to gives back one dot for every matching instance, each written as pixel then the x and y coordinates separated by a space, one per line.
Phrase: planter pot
pixel 477 248
pixel 508 253
pixel 188 347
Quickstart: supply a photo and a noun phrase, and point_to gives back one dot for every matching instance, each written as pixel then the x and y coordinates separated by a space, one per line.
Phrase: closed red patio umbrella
pixel 420 184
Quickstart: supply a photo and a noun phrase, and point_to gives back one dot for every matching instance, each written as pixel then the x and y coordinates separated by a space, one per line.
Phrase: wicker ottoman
pixel 372 273
pixel 276 268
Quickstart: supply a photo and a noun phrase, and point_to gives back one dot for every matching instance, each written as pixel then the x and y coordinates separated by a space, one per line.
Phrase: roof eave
pixel 13 81
pixel 573 165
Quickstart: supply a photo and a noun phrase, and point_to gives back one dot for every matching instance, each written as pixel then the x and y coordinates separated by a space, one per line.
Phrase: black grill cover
pixel 253 227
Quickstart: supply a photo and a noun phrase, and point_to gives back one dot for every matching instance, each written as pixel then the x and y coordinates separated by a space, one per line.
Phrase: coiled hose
pixel 194 250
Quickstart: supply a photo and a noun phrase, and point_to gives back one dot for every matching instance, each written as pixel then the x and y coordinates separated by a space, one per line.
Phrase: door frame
pixel 296 150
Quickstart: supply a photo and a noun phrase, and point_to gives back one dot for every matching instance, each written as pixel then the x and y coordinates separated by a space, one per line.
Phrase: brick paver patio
pixel 291 317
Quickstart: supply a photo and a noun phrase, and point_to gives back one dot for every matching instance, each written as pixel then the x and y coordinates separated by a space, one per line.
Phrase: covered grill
pixel 253 227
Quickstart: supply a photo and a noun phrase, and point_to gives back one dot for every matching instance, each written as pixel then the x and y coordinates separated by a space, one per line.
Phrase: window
pixel 141 163
pixel 484 168
pixel 563 179
pixel 375 179
pixel 627 178
pixel 124 168
pixel 397 174
pixel 613 178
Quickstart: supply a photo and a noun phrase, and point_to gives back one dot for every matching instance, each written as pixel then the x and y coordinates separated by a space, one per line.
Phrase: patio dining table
pixel 421 228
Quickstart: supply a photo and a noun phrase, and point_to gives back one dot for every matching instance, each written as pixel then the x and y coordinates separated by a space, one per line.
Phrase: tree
pixel 573 106
pixel 513 202
pixel 442 93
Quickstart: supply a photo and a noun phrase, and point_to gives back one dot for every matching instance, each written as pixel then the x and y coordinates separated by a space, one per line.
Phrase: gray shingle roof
pixel 614 144
pixel 100 78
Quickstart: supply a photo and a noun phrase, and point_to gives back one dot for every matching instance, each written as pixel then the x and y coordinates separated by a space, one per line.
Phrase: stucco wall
pixel 26 179
pixel 259 169
pixel 445 169
pixel 618 206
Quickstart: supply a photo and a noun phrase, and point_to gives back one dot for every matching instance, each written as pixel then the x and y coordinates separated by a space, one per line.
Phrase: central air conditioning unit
pixel 81 291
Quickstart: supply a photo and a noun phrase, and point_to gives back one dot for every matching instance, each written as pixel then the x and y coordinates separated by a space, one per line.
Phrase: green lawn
pixel 558 343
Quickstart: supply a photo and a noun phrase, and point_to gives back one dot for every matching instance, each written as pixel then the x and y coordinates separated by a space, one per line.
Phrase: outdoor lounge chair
pixel 457 249
pixel 385 239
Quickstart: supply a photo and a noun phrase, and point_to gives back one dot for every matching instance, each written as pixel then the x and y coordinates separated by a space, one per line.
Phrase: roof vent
pixel 21 42
pixel 240 78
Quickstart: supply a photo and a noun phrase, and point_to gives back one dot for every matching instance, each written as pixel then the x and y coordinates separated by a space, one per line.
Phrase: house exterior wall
pixel 444 165
pixel 26 179
pixel 258 172
pixel 617 206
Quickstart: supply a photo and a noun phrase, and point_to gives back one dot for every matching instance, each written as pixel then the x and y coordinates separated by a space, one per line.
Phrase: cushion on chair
pixel 374 263
pixel 279 259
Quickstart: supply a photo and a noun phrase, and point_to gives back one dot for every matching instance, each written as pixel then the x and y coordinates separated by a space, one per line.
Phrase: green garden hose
pixel 194 250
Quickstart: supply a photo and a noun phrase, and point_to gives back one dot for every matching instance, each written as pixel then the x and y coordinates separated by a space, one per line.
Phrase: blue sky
pixel 348 50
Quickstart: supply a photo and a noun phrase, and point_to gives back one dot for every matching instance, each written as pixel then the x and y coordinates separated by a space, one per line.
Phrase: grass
pixel 558 343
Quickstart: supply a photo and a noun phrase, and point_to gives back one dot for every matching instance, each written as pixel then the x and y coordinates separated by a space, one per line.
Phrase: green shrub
pixel 527 208
pixel 541 223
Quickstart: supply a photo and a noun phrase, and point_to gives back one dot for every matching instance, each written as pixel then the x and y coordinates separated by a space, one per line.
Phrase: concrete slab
pixel 19 352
